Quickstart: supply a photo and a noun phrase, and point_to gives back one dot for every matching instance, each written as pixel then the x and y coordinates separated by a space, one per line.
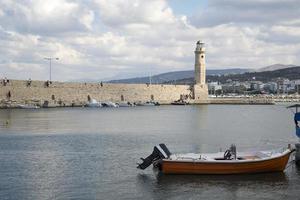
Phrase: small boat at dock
pixel 109 104
pixel 179 103
pixel 148 103
pixel 296 118
pixel 93 103
pixel 125 104
pixel 228 162
pixel 27 106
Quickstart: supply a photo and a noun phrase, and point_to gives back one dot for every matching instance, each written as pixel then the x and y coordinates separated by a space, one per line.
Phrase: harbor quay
pixel 242 101
pixel 263 99
pixel 28 93
pixel 65 94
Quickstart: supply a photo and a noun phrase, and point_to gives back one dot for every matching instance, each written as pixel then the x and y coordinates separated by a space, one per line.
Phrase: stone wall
pixel 200 93
pixel 77 93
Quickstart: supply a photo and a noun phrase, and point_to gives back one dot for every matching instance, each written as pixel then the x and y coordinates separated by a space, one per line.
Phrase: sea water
pixel 86 153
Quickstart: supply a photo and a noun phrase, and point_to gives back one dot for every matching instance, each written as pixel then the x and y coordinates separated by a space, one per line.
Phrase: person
pixel 29 82
pixel 6 122
pixel 8 95
pixel 5 81
pixel 47 83
pixel 101 84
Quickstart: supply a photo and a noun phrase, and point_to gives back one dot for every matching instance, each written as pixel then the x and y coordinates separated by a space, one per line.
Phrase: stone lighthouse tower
pixel 200 69
pixel 200 87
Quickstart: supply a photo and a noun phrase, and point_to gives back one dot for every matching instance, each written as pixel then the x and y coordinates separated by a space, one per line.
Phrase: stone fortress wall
pixel 76 94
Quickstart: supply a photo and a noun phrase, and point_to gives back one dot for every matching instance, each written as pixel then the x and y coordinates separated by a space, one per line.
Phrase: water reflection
pixel 91 153
pixel 5 119
pixel 264 178
pixel 158 185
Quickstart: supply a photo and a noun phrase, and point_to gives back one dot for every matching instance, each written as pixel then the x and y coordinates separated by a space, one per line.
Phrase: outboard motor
pixel 230 153
pixel 159 152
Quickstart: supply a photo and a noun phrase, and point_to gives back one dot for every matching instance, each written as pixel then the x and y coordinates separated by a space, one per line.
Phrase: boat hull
pixel 225 167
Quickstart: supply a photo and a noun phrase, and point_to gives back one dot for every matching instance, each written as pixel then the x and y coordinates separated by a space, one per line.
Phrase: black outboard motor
pixel 159 152
pixel 230 153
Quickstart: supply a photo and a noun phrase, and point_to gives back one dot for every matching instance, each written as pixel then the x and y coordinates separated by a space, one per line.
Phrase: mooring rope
pixel 290 163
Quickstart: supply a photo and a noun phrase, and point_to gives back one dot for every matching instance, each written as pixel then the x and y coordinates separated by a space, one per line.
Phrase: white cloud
pixel 45 17
pixel 96 39
pixel 246 11
pixel 119 12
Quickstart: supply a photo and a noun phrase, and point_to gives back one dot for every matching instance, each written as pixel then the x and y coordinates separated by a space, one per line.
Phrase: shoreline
pixel 64 94
pixel 11 104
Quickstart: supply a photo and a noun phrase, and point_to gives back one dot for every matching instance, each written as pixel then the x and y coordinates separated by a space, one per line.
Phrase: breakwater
pixel 259 99
pixel 76 94
pixel 64 94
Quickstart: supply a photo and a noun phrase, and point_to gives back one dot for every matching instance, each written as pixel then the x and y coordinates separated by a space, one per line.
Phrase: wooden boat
pixel 228 162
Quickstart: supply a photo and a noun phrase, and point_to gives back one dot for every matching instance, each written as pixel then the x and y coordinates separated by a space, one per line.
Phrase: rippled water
pixel 80 153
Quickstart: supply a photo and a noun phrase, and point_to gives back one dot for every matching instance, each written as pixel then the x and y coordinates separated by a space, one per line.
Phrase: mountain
pixel 185 76
pixel 178 75
pixel 274 67
pixel 291 73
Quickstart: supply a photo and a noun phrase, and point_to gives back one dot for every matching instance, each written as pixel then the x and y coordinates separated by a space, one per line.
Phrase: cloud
pixel 119 12
pixel 45 17
pixel 97 39
pixel 247 12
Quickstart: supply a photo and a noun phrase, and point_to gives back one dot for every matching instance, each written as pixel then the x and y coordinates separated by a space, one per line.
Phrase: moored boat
pixel 228 162
pixel 93 103
pixel 296 118
pixel 109 104
pixel 125 104
pixel 179 103
pixel 27 106
pixel 148 103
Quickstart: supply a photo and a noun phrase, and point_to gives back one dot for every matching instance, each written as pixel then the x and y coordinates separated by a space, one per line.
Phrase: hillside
pixel 273 67
pixel 292 73
pixel 177 75
pixel 185 77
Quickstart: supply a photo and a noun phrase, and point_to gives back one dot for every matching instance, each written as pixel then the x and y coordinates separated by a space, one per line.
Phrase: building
pixel 200 86
pixel 213 87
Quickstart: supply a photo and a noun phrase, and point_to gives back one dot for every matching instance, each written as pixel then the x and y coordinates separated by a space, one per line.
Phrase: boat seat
pixel 249 158
pixel 262 155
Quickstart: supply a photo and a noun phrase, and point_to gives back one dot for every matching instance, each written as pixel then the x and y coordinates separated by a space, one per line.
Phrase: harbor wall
pixel 66 94
pixel 241 101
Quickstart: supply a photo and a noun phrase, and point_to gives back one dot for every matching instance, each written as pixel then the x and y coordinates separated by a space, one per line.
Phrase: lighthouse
pixel 200 88
pixel 200 69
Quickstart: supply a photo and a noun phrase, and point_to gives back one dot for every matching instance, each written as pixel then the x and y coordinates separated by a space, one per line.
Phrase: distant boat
pixel 148 103
pixel 109 104
pixel 125 104
pixel 26 106
pixel 93 104
pixel 296 118
pixel 180 103
pixel 228 162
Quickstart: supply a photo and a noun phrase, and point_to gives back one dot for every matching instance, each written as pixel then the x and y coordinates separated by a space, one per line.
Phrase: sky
pixel 111 39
